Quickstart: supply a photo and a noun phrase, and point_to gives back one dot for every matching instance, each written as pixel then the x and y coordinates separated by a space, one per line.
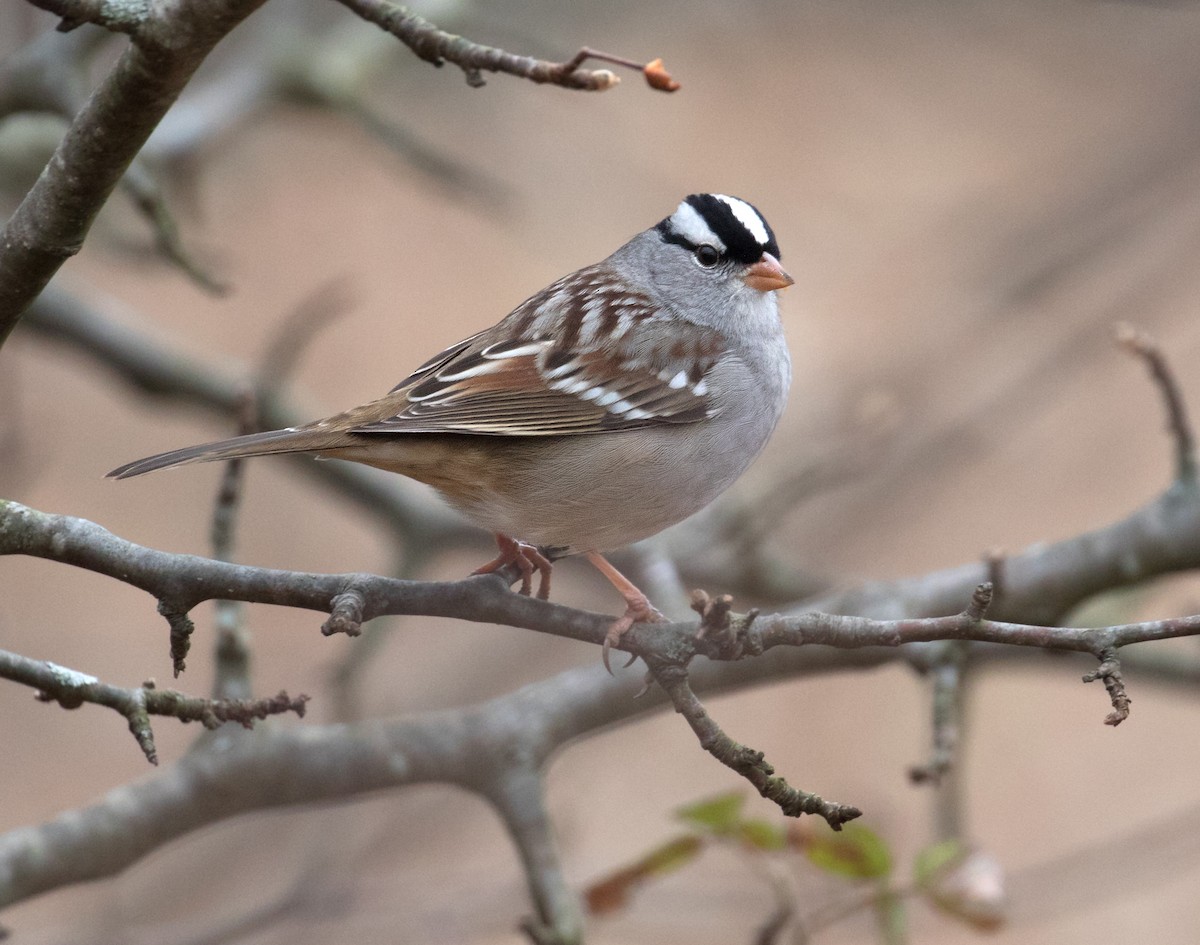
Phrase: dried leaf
pixel 659 78
pixel 613 892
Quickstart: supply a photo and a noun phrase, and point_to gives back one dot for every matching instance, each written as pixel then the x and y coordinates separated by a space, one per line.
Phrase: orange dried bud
pixel 658 77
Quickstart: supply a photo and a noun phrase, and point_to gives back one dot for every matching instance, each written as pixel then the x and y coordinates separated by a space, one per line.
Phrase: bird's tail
pixel 252 444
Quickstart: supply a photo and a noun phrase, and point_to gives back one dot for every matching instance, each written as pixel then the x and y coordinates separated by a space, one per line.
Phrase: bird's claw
pixel 527 558
pixel 636 612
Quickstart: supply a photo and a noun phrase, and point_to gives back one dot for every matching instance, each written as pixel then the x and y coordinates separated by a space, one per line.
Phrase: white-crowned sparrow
pixel 614 403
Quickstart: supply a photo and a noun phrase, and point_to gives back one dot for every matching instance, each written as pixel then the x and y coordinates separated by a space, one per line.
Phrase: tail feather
pixel 252 444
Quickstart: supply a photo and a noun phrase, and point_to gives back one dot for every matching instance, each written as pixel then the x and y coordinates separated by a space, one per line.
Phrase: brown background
pixel 969 196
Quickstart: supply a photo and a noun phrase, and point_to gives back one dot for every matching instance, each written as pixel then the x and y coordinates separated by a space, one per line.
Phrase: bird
pixel 614 403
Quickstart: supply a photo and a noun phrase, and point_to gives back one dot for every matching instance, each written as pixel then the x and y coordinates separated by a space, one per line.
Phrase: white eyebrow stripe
pixel 691 226
pixel 747 217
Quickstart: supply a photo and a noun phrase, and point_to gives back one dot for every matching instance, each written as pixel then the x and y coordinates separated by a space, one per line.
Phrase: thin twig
pixel 747 762
pixel 947 678
pixel 1145 347
pixel 232 670
pixel 439 47
pixel 71 689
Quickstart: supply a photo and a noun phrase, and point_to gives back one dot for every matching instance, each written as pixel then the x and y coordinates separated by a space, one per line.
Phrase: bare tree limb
pixel 119 17
pixel 747 762
pixel 1139 343
pixel 71 689
pixel 284 767
pixel 49 226
pixel 168 42
pixel 519 799
pixel 180 582
pixel 438 47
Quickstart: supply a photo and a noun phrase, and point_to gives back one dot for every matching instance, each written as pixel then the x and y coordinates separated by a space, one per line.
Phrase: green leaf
pixel 720 814
pixel 932 860
pixel 856 852
pixel 670 856
pixel 762 835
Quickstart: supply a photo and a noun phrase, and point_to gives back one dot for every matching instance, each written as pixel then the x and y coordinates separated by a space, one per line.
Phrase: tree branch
pixel 439 47
pixel 180 582
pixel 49 226
pixel 71 689
pixel 1140 344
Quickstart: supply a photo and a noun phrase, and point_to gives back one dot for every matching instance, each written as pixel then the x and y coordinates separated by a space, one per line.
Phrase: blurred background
pixel 969 196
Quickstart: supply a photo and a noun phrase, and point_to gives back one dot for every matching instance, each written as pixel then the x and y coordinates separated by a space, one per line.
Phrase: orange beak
pixel 767 275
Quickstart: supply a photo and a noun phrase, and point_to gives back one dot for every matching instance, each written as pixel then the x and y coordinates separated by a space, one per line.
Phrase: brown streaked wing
pixel 531 384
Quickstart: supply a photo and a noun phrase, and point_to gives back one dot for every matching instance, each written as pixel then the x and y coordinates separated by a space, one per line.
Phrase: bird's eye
pixel 707 256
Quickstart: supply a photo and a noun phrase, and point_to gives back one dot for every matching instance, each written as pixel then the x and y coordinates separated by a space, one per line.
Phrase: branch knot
pixel 1109 670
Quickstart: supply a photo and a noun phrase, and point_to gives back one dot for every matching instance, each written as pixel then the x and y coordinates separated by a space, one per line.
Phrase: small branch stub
pixel 1109 670
pixel 995 560
pixel 345 614
pixel 714 613
pixel 182 629
pixel 720 625
pixel 981 599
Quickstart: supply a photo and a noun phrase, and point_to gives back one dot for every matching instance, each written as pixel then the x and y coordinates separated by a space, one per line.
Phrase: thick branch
pixel 519 798
pixel 180 582
pixel 54 218
pixel 128 16
pixel 281 768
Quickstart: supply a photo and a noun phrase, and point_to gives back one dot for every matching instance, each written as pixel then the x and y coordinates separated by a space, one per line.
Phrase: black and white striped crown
pixel 731 226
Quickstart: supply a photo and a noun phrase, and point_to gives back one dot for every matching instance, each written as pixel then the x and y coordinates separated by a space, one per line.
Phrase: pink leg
pixel 527 558
pixel 638 608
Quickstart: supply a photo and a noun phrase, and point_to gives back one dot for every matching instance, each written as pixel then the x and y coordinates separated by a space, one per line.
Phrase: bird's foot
pixel 527 558
pixel 636 611
pixel 638 608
